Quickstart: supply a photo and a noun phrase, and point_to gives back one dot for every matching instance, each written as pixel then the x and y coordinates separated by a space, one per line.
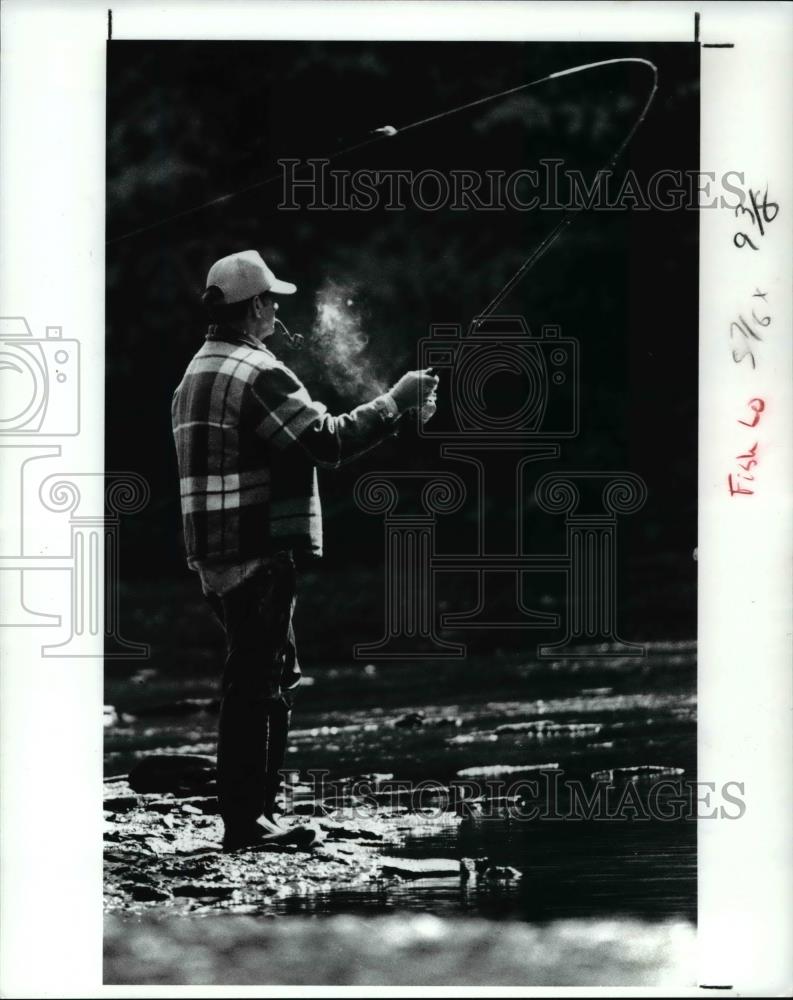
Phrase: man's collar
pixel 235 336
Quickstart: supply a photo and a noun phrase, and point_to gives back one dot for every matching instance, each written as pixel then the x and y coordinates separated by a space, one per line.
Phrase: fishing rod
pixel 384 132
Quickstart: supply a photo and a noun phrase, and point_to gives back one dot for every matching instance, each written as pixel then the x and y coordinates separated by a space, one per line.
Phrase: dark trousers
pixel 259 679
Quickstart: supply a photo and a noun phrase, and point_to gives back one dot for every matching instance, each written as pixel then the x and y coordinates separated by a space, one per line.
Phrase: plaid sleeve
pixel 290 417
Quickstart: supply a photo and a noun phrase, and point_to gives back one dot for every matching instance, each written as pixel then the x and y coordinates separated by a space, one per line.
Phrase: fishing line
pixel 388 132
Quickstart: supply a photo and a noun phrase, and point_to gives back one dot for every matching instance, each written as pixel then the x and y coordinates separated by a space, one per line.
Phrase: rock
pixel 310 809
pixel 109 716
pixel 348 832
pixel 372 778
pixel 206 804
pixel 545 727
pixel 121 854
pixel 421 867
pixel 453 721
pixel 146 893
pixel 641 772
pixel 332 852
pixel 494 770
pixel 121 803
pixel 209 789
pixel 369 778
pixel 472 738
pixel 502 873
pixel 198 889
pixel 173 773
pixel 410 720
pixel 160 805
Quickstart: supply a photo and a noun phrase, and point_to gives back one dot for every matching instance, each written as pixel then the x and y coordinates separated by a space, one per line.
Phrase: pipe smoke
pixel 339 343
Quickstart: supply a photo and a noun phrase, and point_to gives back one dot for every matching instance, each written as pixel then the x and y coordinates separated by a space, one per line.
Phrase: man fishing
pixel 248 440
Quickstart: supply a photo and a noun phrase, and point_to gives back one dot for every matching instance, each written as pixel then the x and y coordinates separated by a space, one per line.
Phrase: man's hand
pixel 414 390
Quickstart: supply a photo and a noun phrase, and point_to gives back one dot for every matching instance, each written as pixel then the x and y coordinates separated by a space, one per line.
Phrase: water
pixel 632 713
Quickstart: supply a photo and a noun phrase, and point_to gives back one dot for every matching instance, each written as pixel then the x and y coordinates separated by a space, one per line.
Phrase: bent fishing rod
pixel 387 132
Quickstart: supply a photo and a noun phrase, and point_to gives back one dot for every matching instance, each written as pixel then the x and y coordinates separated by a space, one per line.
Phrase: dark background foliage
pixel 189 121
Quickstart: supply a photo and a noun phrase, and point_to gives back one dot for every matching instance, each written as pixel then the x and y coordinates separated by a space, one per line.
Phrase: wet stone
pixel 121 854
pixel 410 720
pixel 172 773
pixel 641 772
pixel 500 873
pixel 160 805
pixel 146 893
pixel 453 722
pixel 197 890
pixel 371 778
pixel 310 809
pixel 494 770
pixel 350 832
pixel 545 728
pixel 476 737
pixel 209 788
pixel 121 803
pixel 206 804
pixel 421 867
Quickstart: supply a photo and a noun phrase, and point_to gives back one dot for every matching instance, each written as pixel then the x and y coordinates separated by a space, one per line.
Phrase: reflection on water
pixel 588 870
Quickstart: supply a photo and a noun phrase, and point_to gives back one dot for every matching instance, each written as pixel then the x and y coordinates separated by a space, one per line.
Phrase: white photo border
pixel 52 180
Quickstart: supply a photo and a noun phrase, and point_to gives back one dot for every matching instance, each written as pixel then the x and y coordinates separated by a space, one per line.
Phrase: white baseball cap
pixel 242 275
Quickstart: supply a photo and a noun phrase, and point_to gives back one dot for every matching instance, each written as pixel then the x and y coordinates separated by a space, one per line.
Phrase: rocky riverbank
pixel 162 841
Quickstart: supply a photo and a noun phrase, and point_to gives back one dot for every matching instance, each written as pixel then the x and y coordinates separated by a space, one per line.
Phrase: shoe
pixel 260 837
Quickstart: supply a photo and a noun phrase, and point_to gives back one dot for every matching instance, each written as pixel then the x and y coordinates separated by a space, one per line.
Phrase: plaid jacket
pixel 248 439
